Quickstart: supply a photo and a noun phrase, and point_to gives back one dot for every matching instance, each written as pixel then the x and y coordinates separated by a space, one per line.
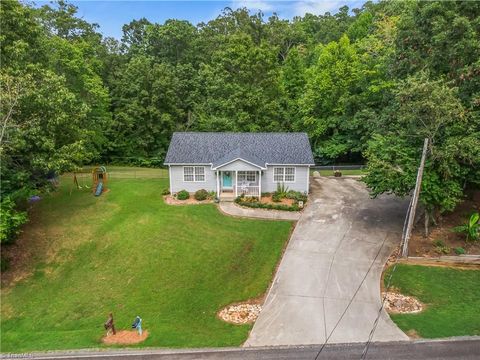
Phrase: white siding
pixel 177 183
pixel 268 185
pixel 300 184
pixel 239 165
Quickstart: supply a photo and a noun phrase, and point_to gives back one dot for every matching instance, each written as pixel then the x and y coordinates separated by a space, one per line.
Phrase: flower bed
pixel 182 197
pixel 279 200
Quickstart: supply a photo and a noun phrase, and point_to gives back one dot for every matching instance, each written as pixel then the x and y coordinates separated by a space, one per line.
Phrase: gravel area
pixel 240 313
pixel 401 304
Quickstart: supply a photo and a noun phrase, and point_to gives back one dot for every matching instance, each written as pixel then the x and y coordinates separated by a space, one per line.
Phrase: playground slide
pixel 98 190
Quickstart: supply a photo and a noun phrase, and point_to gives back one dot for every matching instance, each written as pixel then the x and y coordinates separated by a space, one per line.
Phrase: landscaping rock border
pixel 239 314
pixel 396 303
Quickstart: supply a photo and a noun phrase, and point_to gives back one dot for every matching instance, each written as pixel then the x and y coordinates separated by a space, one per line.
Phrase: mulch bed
pixel 190 201
pixel 125 337
pixel 422 246
pixel 284 201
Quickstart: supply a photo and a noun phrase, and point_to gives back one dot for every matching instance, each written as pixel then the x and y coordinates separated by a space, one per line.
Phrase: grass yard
pixel 452 297
pixel 129 253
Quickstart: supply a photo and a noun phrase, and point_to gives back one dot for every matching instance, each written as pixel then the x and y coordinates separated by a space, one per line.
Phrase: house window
pixel 284 174
pixel 289 174
pixel 250 176
pixel 199 173
pixel 193 173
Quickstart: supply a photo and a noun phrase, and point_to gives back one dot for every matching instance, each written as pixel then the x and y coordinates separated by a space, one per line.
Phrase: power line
pixel 407 228
pixel 351 299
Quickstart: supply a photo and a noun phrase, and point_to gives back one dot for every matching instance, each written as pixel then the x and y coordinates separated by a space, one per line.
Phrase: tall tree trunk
pixel 427 222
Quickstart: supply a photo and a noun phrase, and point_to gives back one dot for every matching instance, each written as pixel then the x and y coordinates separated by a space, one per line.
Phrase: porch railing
pixel 248 190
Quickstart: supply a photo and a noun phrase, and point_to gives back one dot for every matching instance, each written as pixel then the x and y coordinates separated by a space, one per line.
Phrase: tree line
pixel 367 85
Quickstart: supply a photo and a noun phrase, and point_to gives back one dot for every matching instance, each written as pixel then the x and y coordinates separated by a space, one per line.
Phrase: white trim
pixel 194 175
pixel 285 181
pixel 280 165
pixel 187 164
pixel 308 180
pixel 259 184
pixel 238 158
pixel 170 178
pixel 236 184
pixel 218 184
pixel 214 168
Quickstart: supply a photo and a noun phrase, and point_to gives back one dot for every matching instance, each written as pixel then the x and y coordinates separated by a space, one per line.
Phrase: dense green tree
pixel 423 108
pixel 240 88
pixel 293 77
pixel 330 83
pixel 172 42
pixel 146 102
pixel 134 36
pixel 366 85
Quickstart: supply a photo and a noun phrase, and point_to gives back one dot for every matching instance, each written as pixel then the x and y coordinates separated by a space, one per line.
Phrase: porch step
pixel 227 197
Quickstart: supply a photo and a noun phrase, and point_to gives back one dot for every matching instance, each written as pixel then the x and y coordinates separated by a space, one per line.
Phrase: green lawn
pixel 129 253
pixel 452 297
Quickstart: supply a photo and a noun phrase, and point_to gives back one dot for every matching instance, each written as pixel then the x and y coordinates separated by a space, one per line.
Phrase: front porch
pixel 233 183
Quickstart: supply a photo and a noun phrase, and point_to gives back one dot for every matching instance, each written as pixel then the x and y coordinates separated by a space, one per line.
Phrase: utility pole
pixel 413 204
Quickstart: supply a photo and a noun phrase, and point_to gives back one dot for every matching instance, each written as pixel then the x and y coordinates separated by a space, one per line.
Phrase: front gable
pixel 238 165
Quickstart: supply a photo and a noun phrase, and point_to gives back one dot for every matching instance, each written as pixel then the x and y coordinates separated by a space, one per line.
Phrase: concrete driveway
pixel 328 282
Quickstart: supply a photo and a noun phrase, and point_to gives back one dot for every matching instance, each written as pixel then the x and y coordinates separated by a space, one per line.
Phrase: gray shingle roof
pixel 257 148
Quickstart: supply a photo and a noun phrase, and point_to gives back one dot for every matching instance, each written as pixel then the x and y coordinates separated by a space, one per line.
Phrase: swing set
pixel 99 180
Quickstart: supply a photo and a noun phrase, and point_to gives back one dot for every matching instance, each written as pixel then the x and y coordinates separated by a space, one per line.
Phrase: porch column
pixel 259 184
pixel 218 184
pixel 236 183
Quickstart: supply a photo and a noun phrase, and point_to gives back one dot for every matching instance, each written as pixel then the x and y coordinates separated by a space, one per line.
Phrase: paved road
pixel 328 282
pixel 439 350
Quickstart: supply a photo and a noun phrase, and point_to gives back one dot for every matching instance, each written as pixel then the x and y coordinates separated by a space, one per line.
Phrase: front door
pixel 227 179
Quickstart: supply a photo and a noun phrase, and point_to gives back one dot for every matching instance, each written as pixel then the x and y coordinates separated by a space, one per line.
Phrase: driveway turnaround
pixel 327 286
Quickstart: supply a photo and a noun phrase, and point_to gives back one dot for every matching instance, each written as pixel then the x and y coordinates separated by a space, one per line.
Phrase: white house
pixel 232 164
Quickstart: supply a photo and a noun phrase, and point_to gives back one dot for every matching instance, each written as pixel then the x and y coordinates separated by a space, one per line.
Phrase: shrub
pixel 10 221
pixel 253 202
pixel 201 195
pixel 442 250
pixel 276 197
pixel 282 190
pixel 471 228
pixel 438 243
pixel 337 173
pixel 212 195
pixel 297 196
pixel 165 192
pixel 183 195
pixel 459 250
